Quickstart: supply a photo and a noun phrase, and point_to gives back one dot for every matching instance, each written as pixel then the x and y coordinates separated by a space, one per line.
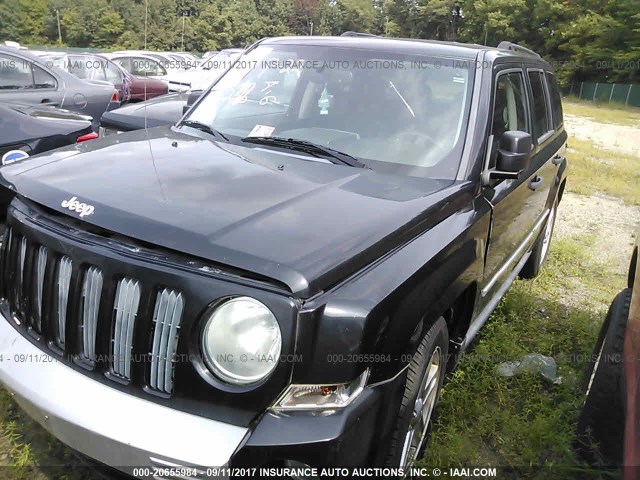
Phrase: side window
pixel 112 73
pixel 43 79
pixel 124 63
pixel 96 69
pixel 146 67
pixel 509 106
pixel 556 100
pixel 541 117
pixel 77 67
pixel 15 73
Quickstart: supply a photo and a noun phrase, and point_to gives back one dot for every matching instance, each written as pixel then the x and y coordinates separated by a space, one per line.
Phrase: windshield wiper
pixel 205 128
pixel 334 156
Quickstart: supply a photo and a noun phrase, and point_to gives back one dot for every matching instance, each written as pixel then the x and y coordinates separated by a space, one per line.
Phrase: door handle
pixel 557 160
pixel 46 101
pixel 535 182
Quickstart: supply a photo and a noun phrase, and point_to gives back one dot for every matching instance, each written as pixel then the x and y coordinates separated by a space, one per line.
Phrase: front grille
pixel 70 304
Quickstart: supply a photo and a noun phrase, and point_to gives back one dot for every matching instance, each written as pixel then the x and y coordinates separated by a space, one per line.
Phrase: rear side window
pixel 541 117
pixel 112 73
pixel 15 73
pixel 43 79
pixel 556 101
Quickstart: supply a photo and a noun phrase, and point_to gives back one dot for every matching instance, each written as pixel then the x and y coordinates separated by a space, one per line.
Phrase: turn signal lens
pixel 316 397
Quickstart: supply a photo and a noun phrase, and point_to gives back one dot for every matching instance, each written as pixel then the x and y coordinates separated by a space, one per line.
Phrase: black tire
pixel 601 421
pixel 437 337
pixel 539 253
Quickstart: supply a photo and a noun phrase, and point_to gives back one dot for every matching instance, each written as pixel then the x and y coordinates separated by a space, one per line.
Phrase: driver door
pixel 514 214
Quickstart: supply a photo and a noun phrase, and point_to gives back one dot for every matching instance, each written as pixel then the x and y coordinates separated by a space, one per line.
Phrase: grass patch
pixel 28 452
pixel 604 113
pixel 488 420
pixel 593 169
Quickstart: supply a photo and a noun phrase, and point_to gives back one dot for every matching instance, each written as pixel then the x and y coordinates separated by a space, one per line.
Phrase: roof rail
pixel 517 48
pixel 359 34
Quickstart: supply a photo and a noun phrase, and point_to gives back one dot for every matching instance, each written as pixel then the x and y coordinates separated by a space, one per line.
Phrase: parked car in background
pixel 98 67
pixel 145 88
pixel 16 45
pixel 185 60
pixel 222 59
pixel 283 277
pixel 192 60
pixel 87 66
pixel 139 65
pixel 167 60
pixel 165 110
pixel 208 54
pixel 609 422
pixel 37 128
pixel 208 72
pixel 25 78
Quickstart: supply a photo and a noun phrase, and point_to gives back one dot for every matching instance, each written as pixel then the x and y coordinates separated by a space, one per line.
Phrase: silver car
pixel 25 78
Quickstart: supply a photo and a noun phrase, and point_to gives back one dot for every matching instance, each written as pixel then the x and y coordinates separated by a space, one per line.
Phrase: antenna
pixel 146 125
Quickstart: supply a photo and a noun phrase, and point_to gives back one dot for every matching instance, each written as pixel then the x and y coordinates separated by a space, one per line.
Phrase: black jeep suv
pixel 283 277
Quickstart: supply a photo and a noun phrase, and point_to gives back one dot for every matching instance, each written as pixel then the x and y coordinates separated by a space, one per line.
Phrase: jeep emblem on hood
pixel 74 205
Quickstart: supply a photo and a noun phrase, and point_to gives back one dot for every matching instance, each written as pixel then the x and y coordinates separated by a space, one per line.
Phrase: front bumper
pixel 127 432
pixel 112 427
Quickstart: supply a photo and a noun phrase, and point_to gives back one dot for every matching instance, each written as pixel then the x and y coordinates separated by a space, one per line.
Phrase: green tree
pixel 357 15
pixel 91 23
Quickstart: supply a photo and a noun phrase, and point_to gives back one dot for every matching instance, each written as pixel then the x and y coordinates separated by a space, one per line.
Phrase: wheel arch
pixel 633 267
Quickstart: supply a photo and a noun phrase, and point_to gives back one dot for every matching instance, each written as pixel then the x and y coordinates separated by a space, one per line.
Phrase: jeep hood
pixel 298 220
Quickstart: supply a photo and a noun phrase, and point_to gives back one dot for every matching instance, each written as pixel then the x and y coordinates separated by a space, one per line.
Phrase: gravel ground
pixel 612 223
pixel 617 138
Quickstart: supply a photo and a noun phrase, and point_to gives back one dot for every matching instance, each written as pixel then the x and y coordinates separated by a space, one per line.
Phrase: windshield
pixel 397 113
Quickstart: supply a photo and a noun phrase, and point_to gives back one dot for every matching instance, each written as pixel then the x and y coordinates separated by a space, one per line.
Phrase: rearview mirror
pixel 514 152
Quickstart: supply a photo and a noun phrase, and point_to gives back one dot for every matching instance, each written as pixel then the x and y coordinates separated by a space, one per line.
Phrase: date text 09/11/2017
pixel 302 471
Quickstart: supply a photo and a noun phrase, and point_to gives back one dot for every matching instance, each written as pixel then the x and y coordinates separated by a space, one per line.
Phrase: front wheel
pixel 422 389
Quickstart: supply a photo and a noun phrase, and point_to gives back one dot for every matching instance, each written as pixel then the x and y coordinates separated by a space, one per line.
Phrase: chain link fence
pixel 55 49
pixel 620 93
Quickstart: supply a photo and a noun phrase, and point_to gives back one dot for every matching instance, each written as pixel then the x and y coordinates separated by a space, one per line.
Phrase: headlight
pixel 314 397
pixel 241 341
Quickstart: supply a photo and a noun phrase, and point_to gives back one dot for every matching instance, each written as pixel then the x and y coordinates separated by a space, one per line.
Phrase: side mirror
pixel 191 99
pixel 514 152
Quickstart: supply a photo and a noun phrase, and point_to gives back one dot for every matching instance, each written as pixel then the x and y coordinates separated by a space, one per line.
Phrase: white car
pixel 170 62
pixel 187 60
pixel 208 72
pixel 140 65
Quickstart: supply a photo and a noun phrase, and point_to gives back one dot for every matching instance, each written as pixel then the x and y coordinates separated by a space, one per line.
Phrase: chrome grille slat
pixel 64 280
pixel 126 310
pixel 166 318
pixel 22 253
pixel 40 270
pixel 91 290
pixel 172 344
pixel 8 261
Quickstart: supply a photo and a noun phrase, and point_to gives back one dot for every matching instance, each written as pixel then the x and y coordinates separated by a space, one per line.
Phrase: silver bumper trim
pixel 112 427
